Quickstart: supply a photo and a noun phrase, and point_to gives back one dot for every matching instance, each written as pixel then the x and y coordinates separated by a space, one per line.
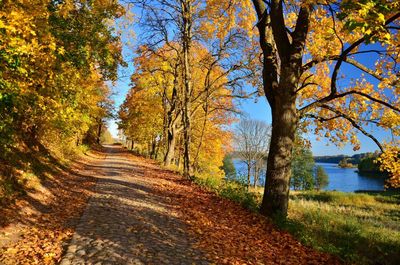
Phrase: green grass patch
pixel 359 227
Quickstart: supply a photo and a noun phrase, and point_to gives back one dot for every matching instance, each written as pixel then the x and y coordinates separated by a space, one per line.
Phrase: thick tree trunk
pixel 186 45
pixel 171 141
pixel 282 68
pixel 276 192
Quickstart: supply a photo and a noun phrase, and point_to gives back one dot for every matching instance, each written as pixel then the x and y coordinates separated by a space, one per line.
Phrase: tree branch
pixel 355 125
pixel 279 29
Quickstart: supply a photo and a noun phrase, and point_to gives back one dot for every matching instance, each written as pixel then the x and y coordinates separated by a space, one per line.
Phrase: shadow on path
pixel 126 222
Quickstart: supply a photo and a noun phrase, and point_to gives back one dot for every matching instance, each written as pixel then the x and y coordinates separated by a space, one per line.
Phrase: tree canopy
pixel 56 57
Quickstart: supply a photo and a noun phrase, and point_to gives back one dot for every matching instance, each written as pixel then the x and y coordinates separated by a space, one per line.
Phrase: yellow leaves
pixel 65 8
pixel 52 46
pixel 381 18
pixel 390 162
pixel 61 50
pixel 220 17
pixel 391 120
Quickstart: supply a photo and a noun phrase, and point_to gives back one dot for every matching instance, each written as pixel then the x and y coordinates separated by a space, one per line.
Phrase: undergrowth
pixel 23 168
pixel 233 190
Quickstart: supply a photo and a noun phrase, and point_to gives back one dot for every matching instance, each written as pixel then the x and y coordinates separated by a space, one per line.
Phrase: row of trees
pixel 152 115
pixel 56 57
pixel 190 65
pixel 303 46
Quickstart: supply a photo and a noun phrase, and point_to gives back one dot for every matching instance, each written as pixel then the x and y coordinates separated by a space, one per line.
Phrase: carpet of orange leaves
pixel 229 233
pixel 42 220
pixel 225 231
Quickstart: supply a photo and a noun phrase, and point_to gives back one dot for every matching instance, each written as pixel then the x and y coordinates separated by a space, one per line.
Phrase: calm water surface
pixel 346 179
pixel 341 179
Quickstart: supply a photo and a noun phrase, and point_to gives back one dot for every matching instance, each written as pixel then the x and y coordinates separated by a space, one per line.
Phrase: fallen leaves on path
pixel 228 233
pixel 46 217
pixel 224 231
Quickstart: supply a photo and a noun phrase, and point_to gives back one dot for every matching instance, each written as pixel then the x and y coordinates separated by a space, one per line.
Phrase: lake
pixel 341 179
pixel 346 179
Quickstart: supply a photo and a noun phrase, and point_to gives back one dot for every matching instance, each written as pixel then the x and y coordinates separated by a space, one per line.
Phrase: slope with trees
pixel 56 58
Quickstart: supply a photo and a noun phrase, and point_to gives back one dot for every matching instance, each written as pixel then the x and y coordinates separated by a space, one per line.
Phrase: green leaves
pixel 368 16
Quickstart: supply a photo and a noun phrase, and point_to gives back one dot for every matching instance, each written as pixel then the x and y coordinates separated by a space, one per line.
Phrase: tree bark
pixel 276 192
pixel 99 128
pixel 171 141
pixel 186 45
pixel 248 174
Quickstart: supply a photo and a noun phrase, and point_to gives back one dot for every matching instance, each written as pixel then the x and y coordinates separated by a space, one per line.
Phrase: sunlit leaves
pixel 53 67
pixel 369 17
pixel 390 162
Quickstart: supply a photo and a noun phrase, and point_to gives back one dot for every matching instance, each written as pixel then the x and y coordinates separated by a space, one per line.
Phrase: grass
pixel 361 228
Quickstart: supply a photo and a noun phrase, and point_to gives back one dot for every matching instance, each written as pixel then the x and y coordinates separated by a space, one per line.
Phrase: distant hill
pixel 354 159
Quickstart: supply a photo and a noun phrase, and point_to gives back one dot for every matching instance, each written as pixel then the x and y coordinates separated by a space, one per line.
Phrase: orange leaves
pixel 42 233
pixel 229 234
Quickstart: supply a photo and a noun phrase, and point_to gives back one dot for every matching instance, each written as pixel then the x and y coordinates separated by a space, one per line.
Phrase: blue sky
pixel 259 109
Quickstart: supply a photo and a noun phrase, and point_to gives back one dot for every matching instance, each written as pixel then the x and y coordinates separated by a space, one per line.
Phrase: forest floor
pixel 118 208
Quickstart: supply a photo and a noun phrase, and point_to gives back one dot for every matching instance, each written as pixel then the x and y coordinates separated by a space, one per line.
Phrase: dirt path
pixel 127 222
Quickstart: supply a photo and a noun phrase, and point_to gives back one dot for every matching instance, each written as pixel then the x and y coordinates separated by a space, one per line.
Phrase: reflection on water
pixel 341 179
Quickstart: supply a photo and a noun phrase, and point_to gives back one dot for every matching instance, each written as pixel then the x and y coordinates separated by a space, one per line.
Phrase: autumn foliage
pixel 151 115
pixel 55 58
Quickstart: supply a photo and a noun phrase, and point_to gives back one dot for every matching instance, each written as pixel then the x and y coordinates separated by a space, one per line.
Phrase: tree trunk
pixel 248 175
pixel 256 174
pixel 171 119
pixel 186 45
pixel 99 131
pixel 153 150
pixel 276 192
pixel 282 68
pixel 170 154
